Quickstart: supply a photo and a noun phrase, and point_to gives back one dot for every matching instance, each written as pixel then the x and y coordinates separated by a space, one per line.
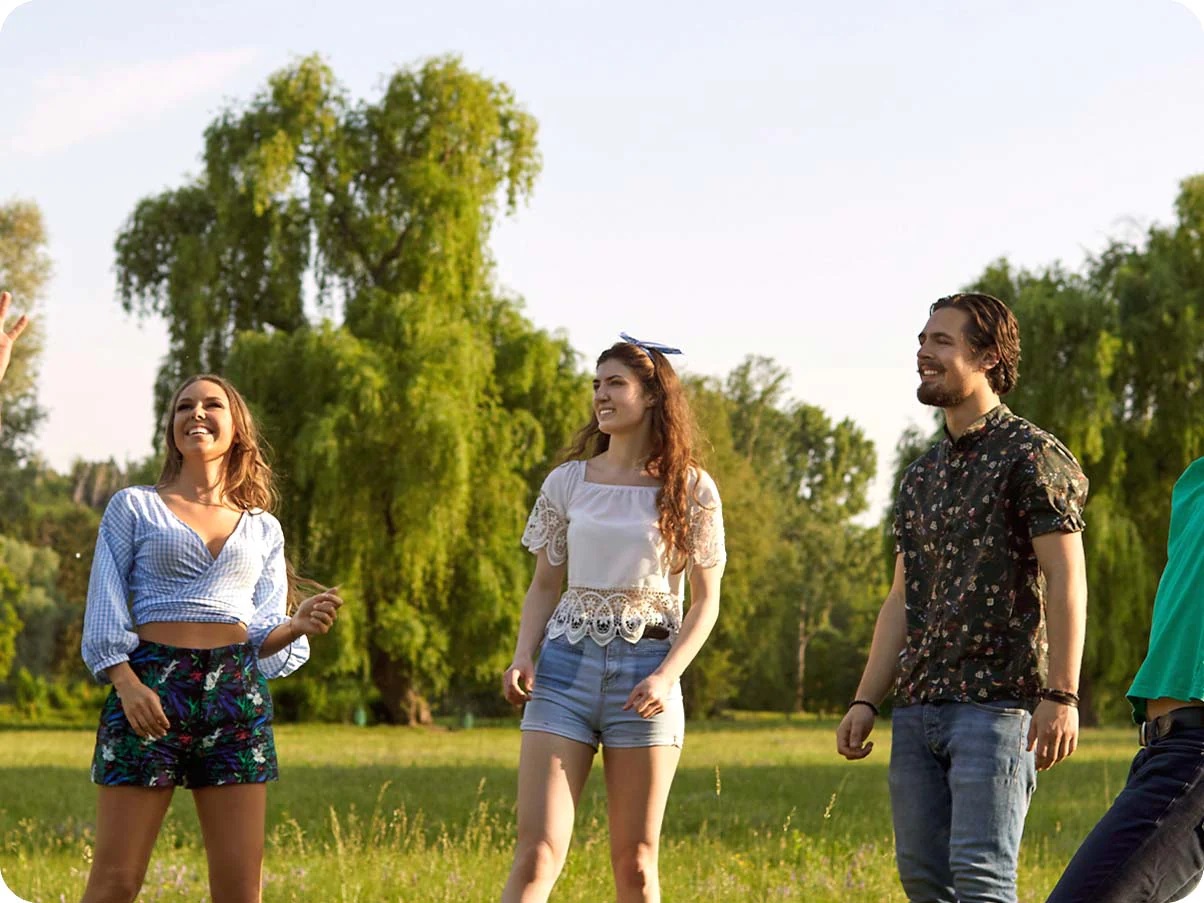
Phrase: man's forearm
pixel 1061 559
pixel 890 635
pixel 1066 625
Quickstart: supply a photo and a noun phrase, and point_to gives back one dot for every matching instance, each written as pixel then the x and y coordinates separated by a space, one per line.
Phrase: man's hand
pixel 854 728
pixel 1054 733
pixel 8 338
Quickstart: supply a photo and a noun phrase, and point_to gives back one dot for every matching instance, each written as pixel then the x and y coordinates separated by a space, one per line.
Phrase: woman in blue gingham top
pixel 190 609
pixel 151 566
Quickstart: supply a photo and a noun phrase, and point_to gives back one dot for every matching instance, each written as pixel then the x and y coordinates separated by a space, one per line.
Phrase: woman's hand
pixel 648 697
pixel 317 614
pixel 519 680
pixel 142 707
pixel 8 338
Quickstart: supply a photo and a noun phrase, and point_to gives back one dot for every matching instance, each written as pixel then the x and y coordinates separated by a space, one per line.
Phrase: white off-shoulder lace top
pixel 620 576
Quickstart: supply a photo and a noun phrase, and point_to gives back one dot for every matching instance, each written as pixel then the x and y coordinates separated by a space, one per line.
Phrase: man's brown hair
pixel 991 326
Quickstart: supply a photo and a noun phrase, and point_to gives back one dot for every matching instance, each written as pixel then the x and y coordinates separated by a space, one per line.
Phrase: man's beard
pixel 939 397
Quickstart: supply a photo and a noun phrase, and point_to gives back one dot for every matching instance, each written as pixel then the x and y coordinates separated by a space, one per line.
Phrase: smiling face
pixel 202 425
pixel 950 370
pixel 620 402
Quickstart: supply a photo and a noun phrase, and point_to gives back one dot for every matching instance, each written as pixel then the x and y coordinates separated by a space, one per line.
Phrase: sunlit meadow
pixel 762 809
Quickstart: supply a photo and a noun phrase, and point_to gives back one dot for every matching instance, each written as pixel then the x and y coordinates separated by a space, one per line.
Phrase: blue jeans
pixel 960 783
pixel 1149 847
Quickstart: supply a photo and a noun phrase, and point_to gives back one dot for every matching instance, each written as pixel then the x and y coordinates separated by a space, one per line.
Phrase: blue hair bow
pixel 649 346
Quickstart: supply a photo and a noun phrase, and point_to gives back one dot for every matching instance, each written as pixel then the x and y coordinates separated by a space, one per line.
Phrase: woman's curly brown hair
pixel 673 431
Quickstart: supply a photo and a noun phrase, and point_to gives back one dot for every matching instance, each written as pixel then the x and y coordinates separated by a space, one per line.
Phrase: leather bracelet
pixel 1065 697
pixel 873 708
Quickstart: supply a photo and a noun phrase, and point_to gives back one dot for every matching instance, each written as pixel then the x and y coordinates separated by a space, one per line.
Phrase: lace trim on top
pixel 603 614
pixel 707 547
pixel 546 527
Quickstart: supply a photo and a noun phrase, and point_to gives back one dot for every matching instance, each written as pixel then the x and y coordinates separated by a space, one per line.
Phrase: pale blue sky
pixel 798 180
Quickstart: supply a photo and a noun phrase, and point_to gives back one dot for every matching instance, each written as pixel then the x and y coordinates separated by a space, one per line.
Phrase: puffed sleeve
pixel 707 549
pixel 270 600
pixel 1052 489
pixel 109 637
pixel 548 524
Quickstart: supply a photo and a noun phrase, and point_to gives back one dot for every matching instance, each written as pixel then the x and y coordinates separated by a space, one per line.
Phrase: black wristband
pixel 1065 697
pixel 873 708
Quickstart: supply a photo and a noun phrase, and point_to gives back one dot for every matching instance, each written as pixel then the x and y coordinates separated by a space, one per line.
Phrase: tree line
pixel 332 259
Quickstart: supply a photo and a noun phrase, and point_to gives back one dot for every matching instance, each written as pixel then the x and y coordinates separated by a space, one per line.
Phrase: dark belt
pixel 1186 718
pixel 655 632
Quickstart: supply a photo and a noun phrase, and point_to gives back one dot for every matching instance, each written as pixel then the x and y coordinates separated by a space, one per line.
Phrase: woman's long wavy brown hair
pixel 673 431
pixel 248 481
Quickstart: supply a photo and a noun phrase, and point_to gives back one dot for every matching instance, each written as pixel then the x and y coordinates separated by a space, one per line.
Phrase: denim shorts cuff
pixel 644 743
pixel 558 731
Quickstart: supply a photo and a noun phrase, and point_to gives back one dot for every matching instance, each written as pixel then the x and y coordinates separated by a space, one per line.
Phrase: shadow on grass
pixel 738 803
pixel 39 799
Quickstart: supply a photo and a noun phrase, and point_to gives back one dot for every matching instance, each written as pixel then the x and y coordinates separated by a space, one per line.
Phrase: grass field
pixel 762 810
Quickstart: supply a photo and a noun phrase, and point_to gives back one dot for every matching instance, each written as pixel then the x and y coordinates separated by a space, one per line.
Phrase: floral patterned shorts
pixel 220 712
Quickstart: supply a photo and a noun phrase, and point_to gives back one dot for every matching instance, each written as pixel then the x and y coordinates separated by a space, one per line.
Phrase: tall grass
pixel 760 810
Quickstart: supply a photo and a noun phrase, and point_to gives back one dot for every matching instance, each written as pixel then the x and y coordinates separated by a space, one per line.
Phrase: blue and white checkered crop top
pixel 151 566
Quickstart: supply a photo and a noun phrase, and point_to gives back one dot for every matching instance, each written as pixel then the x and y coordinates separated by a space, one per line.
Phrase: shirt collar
pixel 979 428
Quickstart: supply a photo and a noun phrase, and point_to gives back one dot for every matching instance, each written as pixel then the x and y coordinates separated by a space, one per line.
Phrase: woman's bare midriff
pixel 1155 708
pixel 193 634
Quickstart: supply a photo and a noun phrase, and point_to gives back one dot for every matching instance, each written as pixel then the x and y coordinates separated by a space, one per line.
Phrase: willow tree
pixel 412 406
pixel 1155 288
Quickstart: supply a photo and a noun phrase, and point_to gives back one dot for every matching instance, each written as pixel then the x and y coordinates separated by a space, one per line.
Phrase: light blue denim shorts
pixel 580 689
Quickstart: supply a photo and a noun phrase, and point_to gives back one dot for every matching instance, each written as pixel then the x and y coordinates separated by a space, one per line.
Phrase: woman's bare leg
pixel 637 789
pixel 232 823
pixel 551 775
pixel 127 823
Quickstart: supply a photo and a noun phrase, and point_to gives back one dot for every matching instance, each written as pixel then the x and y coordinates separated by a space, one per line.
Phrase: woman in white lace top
pixel 628 520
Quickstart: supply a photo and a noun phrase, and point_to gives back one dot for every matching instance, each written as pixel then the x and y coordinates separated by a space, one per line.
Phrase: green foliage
pixel 37 701
pixel 10 623
pixel 792 483
pixel 372 199
pixel 32 572
pixel 46 544
pixel 333 700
